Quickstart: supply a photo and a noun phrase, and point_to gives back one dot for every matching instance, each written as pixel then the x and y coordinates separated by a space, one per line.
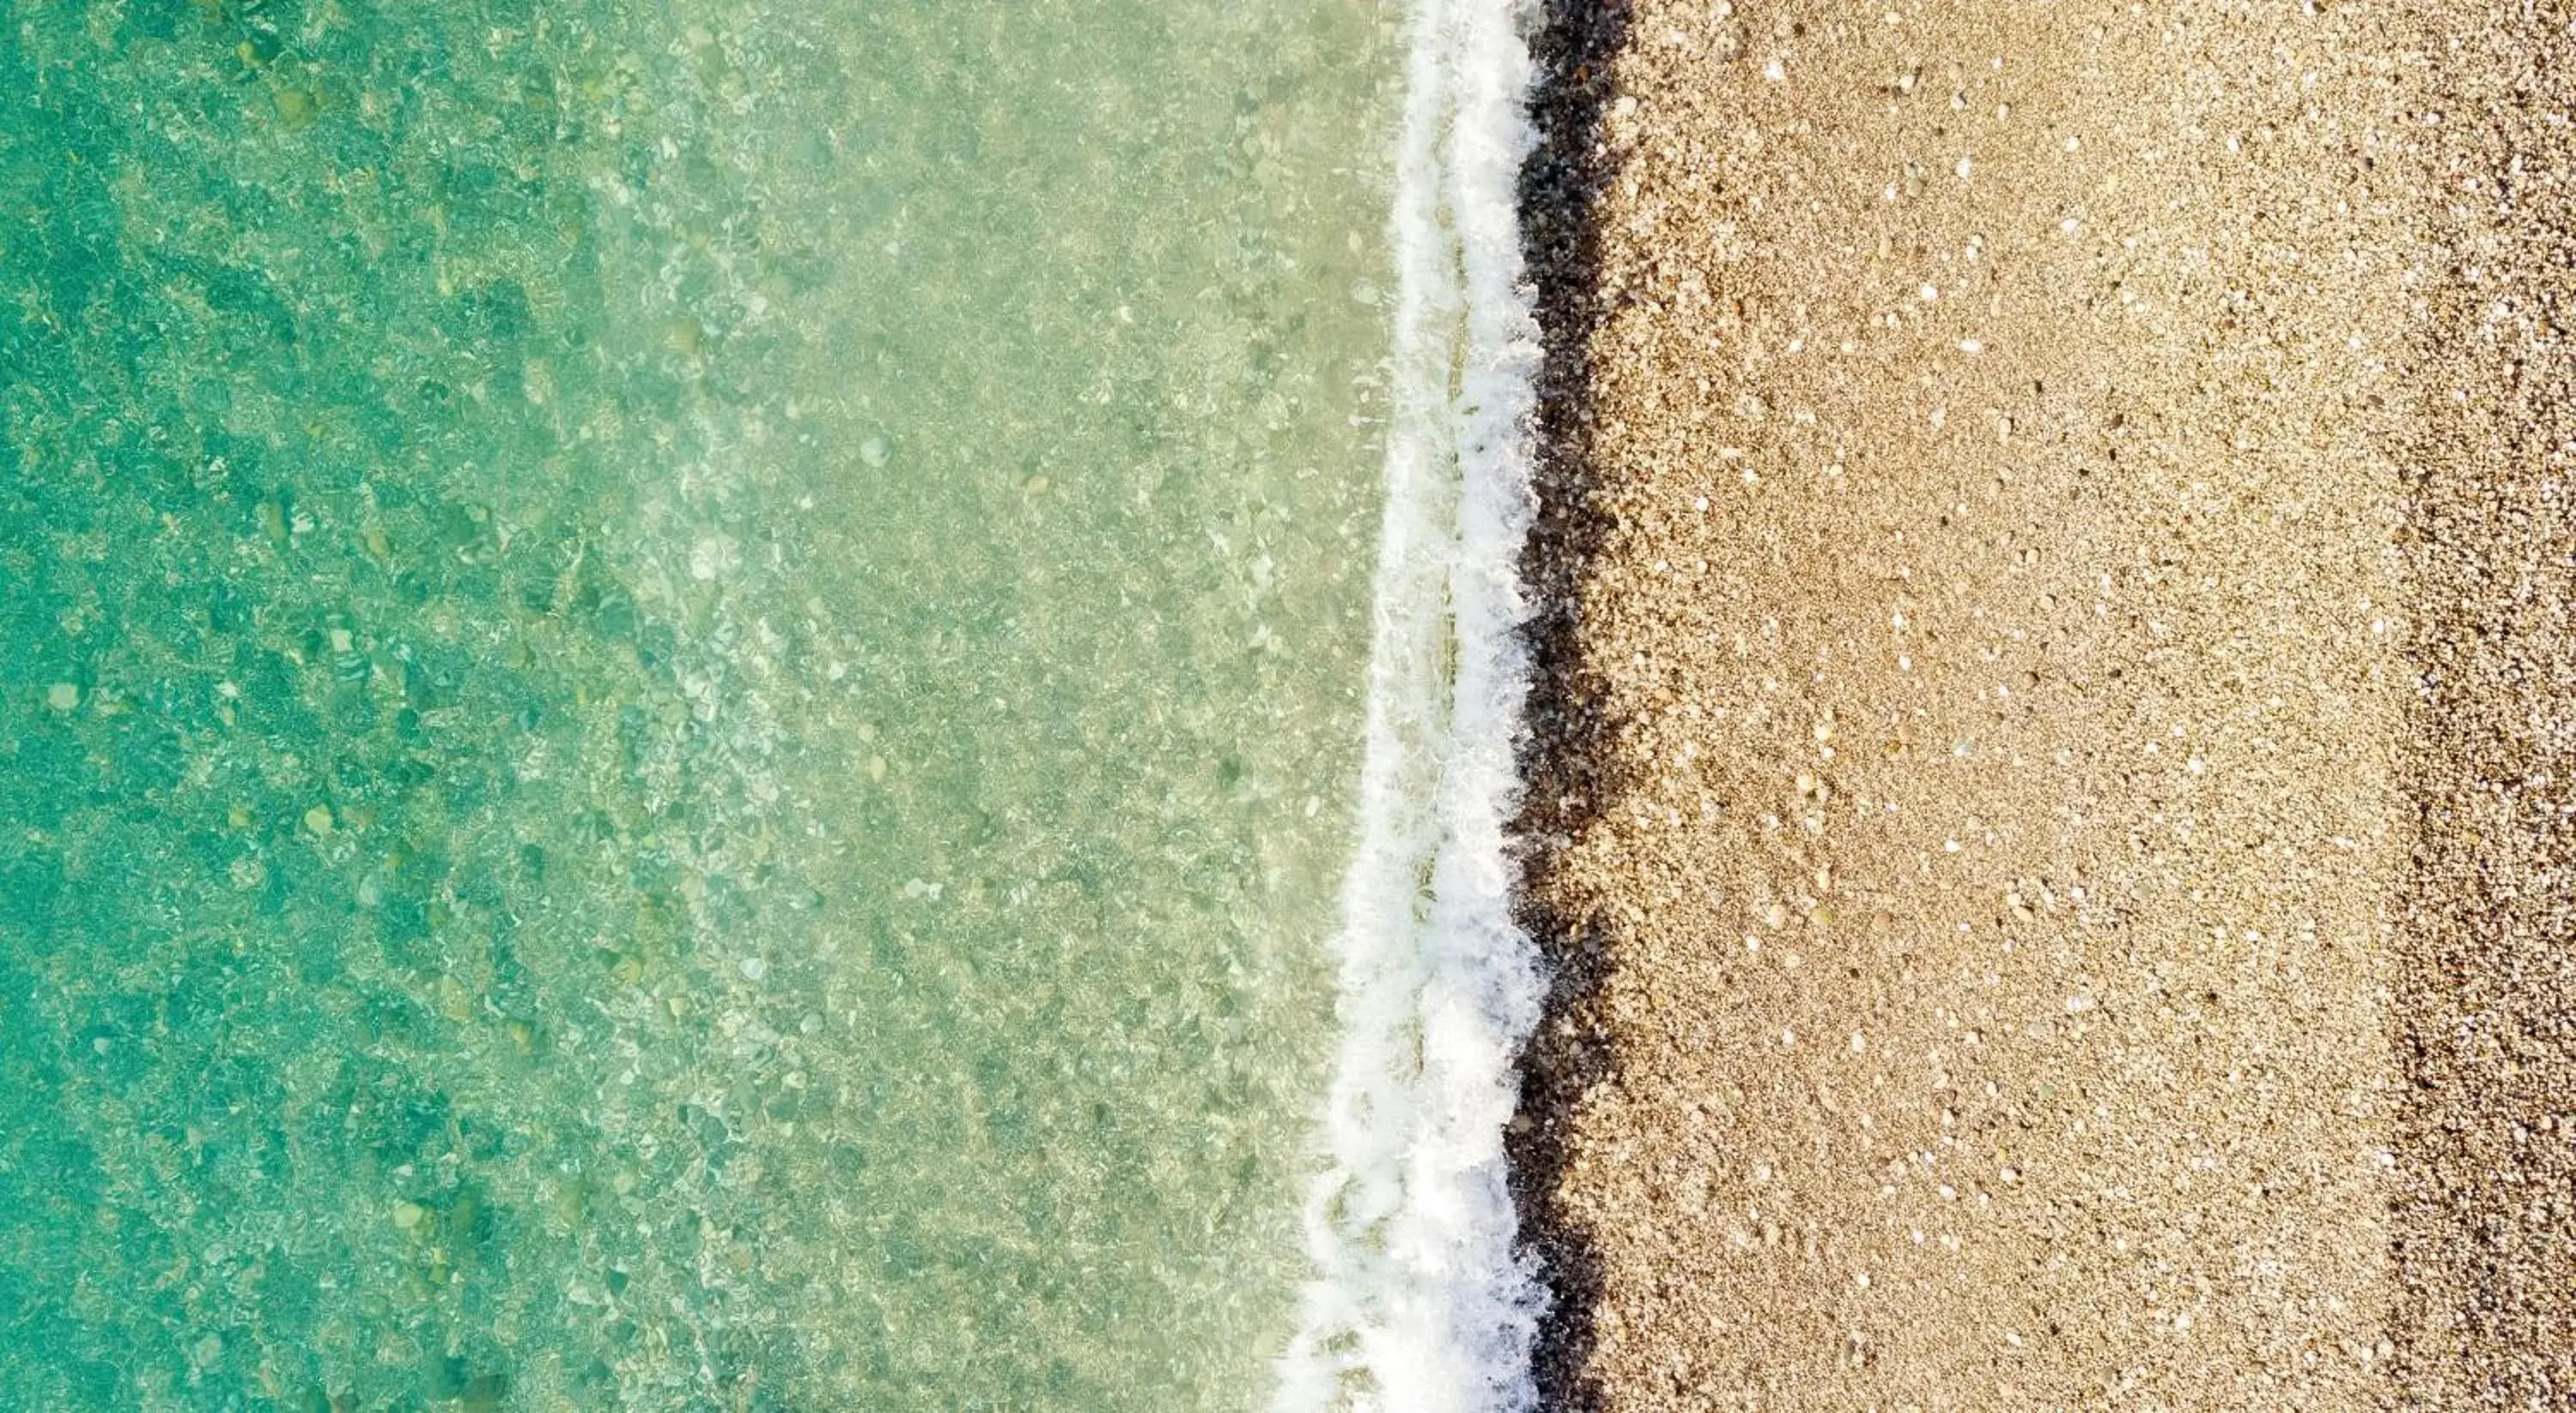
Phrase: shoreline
pixel 2008 910
pixel 1568 736
pixel 1417 1296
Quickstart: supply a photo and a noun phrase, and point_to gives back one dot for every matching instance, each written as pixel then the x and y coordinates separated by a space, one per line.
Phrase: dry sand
pixel 2025 941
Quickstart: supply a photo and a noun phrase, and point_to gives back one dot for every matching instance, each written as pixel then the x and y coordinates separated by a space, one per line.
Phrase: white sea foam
pixel 1420 1303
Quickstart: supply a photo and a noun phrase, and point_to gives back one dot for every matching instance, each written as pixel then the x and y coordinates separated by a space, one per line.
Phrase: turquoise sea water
pixel 680 692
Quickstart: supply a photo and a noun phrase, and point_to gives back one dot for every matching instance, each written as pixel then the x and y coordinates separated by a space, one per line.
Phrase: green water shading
pixel 678 692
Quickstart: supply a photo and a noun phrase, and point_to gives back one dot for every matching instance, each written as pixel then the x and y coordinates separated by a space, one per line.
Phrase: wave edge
pixel 1421 1302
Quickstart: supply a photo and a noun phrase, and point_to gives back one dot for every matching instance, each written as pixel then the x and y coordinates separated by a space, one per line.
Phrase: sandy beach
pixel 2047 811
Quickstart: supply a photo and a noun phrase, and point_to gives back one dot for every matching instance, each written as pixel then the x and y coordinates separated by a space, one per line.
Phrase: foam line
pixel 1420 1303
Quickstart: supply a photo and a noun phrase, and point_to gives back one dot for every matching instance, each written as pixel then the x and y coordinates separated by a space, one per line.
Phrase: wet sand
pixel 2486 992
pixel 2024 939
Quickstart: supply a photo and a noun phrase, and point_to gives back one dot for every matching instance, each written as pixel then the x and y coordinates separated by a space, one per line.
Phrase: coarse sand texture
pixel 2024 939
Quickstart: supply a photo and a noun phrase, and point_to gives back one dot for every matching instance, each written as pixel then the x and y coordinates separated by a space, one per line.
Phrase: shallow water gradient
pixel 679 687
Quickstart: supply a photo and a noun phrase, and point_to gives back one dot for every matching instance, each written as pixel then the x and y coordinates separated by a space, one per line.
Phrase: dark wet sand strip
pixel 2486 990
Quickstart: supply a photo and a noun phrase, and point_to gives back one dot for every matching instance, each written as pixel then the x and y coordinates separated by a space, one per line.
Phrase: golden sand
pixel 2026 942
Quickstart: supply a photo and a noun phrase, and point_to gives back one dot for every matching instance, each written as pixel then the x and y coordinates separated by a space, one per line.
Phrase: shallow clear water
pixel 679 692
